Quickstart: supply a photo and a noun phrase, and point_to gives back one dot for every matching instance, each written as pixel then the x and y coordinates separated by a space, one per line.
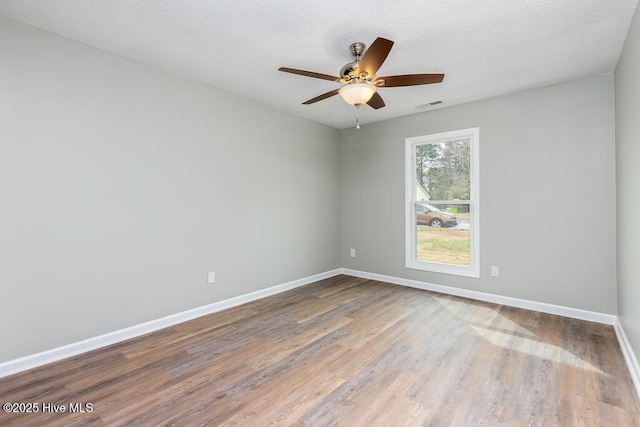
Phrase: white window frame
pixel 473 270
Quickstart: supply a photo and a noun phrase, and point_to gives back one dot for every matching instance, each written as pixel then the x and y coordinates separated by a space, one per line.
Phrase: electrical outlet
pixel 212 277
pixel 352 253
pixel 494 271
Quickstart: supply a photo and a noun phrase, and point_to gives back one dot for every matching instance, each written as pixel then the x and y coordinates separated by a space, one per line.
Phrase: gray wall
pixel 121 186
pixel 628 184
pixel 547 186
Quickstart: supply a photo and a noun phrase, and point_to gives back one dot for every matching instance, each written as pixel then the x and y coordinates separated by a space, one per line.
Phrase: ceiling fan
pixel 359 77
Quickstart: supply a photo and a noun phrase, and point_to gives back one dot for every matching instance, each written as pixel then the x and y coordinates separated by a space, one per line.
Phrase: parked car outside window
pixel 434 217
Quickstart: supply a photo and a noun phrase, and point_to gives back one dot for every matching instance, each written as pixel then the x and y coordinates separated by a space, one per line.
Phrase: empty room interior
pixel 259 213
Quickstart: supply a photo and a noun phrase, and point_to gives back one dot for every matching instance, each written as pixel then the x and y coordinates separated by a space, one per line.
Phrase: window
pixel 442 215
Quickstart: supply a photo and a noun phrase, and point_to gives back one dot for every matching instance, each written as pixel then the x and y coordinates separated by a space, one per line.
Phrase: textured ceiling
pixel 484 47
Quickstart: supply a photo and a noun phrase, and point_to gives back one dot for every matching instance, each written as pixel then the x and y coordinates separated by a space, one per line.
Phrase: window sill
pixel 444 269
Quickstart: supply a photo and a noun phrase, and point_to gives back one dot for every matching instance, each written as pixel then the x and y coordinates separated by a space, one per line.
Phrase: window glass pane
pixel 443 233
pixel 442 204
pixel 442 170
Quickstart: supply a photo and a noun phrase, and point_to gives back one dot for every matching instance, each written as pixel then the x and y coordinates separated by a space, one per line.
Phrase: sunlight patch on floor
pixel 534 348
pixel 483 316
pixel 513 336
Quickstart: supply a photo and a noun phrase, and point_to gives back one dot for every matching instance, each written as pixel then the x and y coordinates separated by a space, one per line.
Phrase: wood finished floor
pixel 349 352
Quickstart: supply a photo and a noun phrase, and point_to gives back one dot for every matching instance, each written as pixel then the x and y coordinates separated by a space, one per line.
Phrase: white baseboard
pixel 39 359
pixel 575 313
pixel 629 355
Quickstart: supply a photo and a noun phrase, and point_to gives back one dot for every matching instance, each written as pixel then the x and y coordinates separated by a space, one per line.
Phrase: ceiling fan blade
pixel 374 57
pixel 408 80
pixel 310 74
pixel 376 101
pixel 321 97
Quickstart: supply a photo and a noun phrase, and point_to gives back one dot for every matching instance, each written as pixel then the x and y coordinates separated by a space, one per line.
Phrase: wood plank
pixel 345 351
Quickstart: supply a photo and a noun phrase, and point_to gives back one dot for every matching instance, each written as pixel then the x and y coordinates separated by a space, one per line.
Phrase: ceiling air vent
pixel 430 104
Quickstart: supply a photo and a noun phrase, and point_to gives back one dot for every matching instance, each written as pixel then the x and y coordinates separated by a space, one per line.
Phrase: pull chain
pixel 357 116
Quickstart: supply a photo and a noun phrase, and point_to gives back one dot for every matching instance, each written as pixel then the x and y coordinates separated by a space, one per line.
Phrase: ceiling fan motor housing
pixel 348 71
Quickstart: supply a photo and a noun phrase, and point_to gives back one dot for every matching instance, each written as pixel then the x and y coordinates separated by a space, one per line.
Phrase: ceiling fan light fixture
pixel 357 93
pixel 359 76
